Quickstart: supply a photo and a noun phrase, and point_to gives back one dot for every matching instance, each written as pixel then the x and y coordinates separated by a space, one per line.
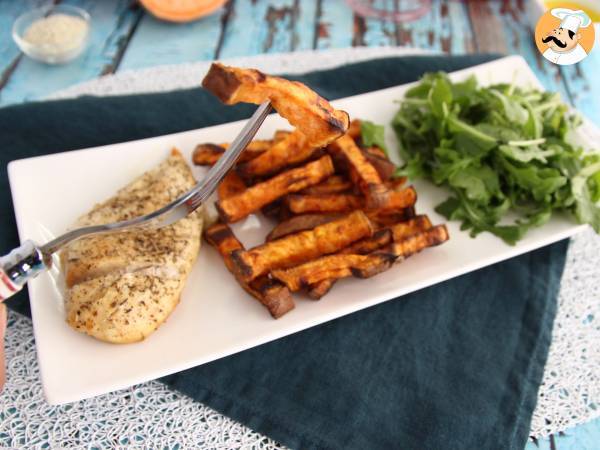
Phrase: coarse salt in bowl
pixel 54 34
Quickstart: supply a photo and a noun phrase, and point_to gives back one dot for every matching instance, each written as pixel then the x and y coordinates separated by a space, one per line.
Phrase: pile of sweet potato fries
pixel 339 210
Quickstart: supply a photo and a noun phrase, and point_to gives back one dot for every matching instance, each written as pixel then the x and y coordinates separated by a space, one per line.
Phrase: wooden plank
pixel 456 36
pixel 445 27
pixel 158 42
pixel 335 24
pixel 373 32
pixel 112 24
pixel 487 28
pixel 505 28
pixel 10 55
pixel 304 29
pixel 268 31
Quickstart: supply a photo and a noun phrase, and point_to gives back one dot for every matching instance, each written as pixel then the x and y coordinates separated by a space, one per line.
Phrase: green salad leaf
pixel 373 134
pixel 502 150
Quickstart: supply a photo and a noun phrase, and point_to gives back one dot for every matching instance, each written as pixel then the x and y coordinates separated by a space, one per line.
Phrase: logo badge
pixel 565 36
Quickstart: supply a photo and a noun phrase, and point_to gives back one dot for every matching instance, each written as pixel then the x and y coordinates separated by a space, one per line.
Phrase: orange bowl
pixel 181 10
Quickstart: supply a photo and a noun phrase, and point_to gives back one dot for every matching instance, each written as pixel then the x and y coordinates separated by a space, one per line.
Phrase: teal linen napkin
pixel 453 366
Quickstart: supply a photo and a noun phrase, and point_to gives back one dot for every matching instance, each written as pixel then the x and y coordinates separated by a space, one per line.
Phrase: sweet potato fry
pixel 252 199
pixel 412 226
pixel 301 106
pixel 395 204
pixel 327 203
pixel 334 267
pixel 375 151
pixel 378 159
pixel 329 268
pixel 386 236
pixel 354 130
pixel 299 223
pixel 369 181
pixel 291 150
pixel 318 290
pixel 300 247
pixel 208 154
pixel 413 244
pixel 380 239
pixel 272 294
pixel 232 184
pixel 398 199
pixel 388 218
pixel 335 184
pixel 396 183
pixel 280 134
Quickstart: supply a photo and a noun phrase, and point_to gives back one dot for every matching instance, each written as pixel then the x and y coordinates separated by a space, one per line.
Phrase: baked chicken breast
pixel 120 287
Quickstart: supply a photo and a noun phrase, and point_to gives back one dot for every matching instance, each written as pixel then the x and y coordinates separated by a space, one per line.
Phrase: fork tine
pixel 185 204
pixel 212 179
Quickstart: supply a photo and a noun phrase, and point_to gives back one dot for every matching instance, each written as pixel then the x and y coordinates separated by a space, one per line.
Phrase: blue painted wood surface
pixel 125 37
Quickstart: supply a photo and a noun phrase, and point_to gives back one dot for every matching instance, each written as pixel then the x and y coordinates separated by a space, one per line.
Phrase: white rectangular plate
pixel 216 317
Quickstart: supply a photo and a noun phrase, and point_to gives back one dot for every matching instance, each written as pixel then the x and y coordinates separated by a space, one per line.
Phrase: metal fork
pixel 27 261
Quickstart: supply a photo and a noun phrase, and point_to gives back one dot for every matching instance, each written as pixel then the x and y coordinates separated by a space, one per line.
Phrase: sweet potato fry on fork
pixel 280 134
pixel 354 130
pixel 291 150
pixel 303 246
pixel 301 106
pixel 272 294
pixel 252 199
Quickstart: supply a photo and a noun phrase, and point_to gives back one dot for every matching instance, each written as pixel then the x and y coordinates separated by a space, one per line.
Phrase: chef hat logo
pixel 565 36
pixel 571 19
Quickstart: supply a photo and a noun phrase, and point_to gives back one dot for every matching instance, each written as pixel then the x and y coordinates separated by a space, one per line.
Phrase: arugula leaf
pixel 586 207
pixel 499 148
pixel 373 134
pixel 526 155
pixel 440 97
pixel 533 128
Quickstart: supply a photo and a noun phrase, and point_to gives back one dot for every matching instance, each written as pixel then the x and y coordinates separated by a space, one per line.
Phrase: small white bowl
pixel 46 52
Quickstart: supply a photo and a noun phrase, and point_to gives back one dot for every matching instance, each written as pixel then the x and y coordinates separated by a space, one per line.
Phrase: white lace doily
pixel 151 416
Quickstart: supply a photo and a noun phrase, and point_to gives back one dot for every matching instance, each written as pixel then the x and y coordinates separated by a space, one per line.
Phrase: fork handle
pixel 19 266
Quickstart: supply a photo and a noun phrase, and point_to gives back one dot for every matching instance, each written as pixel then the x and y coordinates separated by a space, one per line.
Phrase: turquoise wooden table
pixel 125 37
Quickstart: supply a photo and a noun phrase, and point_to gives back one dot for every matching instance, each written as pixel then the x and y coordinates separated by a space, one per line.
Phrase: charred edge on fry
pixel 225 217
pixel 320 289
pixel 377 195
pixel 220 82
pixel 217 234
pixel 245 270
pixel 337 125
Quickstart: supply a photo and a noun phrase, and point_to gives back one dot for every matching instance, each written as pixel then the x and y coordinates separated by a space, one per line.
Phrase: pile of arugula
pixel 498 148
